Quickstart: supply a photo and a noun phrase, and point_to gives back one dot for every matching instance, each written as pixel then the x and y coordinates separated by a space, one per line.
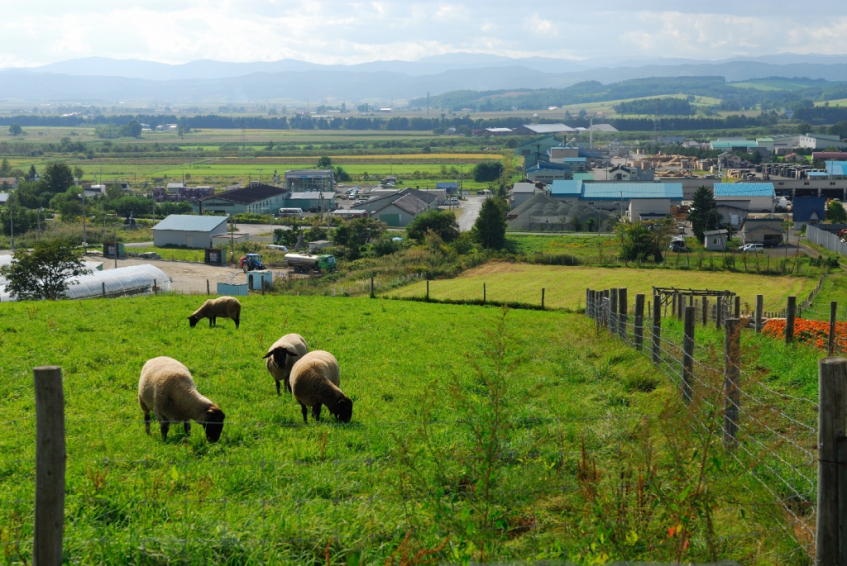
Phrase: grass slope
pixel 565 286
pixel 275 491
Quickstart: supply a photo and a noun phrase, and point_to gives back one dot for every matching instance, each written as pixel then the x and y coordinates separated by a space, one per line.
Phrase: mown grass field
pixel 565 286
pixel 480 446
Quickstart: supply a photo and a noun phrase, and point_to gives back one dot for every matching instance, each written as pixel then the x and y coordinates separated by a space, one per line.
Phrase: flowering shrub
pixel 813 332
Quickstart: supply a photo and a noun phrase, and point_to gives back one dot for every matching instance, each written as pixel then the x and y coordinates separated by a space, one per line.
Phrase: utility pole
pixel 84 234
pixel 12 222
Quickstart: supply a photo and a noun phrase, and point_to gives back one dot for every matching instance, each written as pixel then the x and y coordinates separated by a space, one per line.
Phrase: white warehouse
pixel 188 231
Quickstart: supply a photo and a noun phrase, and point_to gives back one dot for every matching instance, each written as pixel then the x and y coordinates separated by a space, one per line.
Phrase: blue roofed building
pixel 651 199
pixel 547 172
pixel 808 210
pixel 759 196
pixel 836 168
pixel 188 231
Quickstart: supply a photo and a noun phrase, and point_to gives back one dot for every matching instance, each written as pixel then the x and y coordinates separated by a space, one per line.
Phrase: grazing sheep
pixel 314 382
pixel 224 307
pixel 167 389
pixel 282 356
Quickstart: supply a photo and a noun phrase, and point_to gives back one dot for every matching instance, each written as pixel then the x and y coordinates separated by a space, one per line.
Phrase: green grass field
pixel 565 286
pixel 839 102
pixel 776 84
pixel 482 446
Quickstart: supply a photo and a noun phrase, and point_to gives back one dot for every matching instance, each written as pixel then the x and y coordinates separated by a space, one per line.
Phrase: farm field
pixel 406 467
pixel 565 286
pixel 839 102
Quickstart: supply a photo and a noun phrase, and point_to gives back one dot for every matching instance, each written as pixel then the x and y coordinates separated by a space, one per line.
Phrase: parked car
pixel 755 248
pixel 452 202
pixel 360 201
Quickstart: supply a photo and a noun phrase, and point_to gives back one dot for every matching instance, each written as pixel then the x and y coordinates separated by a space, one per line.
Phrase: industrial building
pixel 616 196
pixel 540 129
pixel 188 231
pixel 255 197
pixel 304 180
pixel 766 231
pixel 757 196
pixel 522 192
pixel 821 141
pixel 312 201
pixel 547 172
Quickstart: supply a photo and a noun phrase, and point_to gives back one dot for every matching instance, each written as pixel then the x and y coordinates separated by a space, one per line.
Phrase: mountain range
pixel 104 80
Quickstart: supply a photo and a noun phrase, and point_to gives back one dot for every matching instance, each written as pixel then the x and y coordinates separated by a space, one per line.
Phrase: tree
pixel 839 129
pixel 490 227
pixel 803 128
pixel 704 212
pixel 57 178
pixel 835 212
pixel 441 222
pixel 16 130
pixel 641 240
pixel 324 162
pixel 5 168
pixel 78 173
pixel 341 174
pixel 32 173
pixel 43 273
pixel 487 171
pixel 358 232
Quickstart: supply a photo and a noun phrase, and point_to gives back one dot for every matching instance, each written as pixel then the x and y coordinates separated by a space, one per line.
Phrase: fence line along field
pixel 477 435
pixel 565 286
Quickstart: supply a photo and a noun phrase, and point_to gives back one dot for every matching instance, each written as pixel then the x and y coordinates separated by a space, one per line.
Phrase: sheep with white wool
pixel 223 307
pixel 167 389
pixel 314 382
pixel 281 357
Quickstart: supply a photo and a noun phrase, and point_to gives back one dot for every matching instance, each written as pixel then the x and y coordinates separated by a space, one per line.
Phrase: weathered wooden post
pixel 613 311
pixel 484 294
pixel 833 311
pixel 50 459
pixel 657 329
pixel 372 286
pixel 587 301
pixel 103 287
pixel 737 307
pixel 760 301
pixel 427 290
pixel 732 373
pixel 790 314
pixel 719 313
pixel 208 291
pixel 622 317
pixel 705 310
pixel 542 298
pixel 155 287
pixel 680 307
pixel 832 414
pixel 639 321
pixel 688 354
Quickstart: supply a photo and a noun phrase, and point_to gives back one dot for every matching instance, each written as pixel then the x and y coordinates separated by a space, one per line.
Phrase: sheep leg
pixel 211 321
pixel 146 416
pixel 237 320
pixel 305 413
pixel 316 412
pixel 187 427
pixel 277 389
pixel 164 426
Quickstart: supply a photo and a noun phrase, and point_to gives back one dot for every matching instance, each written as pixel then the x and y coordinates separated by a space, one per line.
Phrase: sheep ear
pixel 289 352
pixel 269 354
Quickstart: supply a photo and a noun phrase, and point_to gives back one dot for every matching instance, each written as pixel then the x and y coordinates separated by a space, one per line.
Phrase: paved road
pixel 471 208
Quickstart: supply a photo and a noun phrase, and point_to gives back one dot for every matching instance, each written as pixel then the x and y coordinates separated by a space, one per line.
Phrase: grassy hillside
pixel 565 286
pixel 480 435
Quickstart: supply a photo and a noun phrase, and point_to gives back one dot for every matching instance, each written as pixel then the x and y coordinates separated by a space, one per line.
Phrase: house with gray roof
pixel 255 197
pixel 400 212
pixel 188 230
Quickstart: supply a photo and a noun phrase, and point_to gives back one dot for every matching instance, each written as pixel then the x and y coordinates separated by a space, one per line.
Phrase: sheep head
pixel 213 423
pixel 192 320
pixel 279 356
pixel 343 410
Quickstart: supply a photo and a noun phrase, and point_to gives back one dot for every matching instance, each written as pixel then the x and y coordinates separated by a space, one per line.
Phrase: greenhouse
pixel 132 280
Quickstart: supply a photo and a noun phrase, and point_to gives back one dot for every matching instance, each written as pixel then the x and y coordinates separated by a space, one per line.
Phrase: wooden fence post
pixel 718 313
pixel 760 301
pixel 622 318
pixel 737 309
pixel 657 329
pixel 790 313
pixel 674 301
pixel 208 291
pixel 833 311
pixel 732 373
pixel 705 310
pixel 542 298
pixel 832 400
pixel 50 459
pixel 372 286
pixel 427 290
pixel 103 287
pixel 639 321
pixel 484 293
pixel 680 307
pixel 613 311
pixel 155 287
pixel 688 354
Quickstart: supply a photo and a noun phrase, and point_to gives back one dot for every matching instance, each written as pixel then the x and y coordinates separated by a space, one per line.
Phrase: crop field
pixel 839 102
pixel 473 433
pixel 565 286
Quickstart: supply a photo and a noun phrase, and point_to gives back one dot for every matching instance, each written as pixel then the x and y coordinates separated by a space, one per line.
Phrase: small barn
pixel 188 230
pixel 766 231
pixel 715 240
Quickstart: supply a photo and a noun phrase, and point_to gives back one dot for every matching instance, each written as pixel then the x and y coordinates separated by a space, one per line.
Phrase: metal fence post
pixel 790 313
pixel 832 414
pixel 688 354
pixel 49 466
pixel 622 318
pixel 657 329
pixel 639 321
pixel 732 373
pixel 760 301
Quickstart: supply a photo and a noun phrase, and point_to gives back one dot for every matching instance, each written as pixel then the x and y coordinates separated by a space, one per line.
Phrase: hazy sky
pixel 334 31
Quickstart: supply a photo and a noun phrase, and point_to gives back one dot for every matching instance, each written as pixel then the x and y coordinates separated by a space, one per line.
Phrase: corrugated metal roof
pixel 190 223
pixel 311 195
pixel 836 167
pixel 566 188
pixel 627 191
pixel 744 190
pixel 574 159
pixel 817 174
pixel 804 206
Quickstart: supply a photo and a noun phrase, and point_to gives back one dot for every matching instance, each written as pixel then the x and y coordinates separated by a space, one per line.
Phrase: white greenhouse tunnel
pixel 132 280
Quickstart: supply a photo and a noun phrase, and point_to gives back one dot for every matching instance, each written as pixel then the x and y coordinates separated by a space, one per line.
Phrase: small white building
pixel 188 230
pixel 715 240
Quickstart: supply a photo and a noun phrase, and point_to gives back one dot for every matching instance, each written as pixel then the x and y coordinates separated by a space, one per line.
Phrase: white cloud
pixel 536 24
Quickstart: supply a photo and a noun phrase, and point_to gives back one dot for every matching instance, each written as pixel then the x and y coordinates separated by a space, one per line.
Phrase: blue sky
pixel 178 31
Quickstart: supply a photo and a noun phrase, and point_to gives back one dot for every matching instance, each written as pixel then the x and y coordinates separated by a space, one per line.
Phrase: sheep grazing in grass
pixel 314 382
pixel 224 307
pixel 167 389
pixel 282 356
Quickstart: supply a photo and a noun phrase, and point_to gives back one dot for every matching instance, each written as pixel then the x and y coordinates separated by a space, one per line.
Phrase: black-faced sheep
pixel 282 356
pixel 224 307
pixel 167 389
pixel 314 382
